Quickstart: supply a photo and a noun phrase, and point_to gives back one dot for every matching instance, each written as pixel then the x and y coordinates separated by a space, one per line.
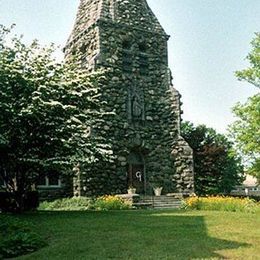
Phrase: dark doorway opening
pixel 136 172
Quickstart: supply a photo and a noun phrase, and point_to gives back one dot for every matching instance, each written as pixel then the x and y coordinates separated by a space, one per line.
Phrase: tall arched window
pixel 127 56
pixel 143 59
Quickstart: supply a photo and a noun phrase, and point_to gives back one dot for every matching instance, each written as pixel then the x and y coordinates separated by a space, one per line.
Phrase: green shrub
pixel 17 238
pixel 110 203
pixel 68 204
pixel 107 202
pixel 221 204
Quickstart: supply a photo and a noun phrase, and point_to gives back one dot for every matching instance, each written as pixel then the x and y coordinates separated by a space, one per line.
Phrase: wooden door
pixel 136 177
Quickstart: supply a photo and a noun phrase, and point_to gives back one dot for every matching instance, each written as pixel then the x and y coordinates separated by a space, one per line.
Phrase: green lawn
pixel 147 235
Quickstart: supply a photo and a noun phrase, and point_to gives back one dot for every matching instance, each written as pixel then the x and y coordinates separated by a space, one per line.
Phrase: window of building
pixel 83 48
pixel 50 180
pixel 126 45
pixel 2 176
pixel 143 64
pixel 127 56
pixel 143 59
pixel 142 47
pixel 2 183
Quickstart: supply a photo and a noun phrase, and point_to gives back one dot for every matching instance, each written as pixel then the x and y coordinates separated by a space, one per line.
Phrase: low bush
pixel 8 202
pixel 221 204
pixel 17 238
pixel 110 203
pixel 68 204
pixel 107 202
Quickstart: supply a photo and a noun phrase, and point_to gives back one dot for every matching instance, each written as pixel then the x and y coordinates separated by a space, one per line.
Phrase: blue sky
pixel 209 41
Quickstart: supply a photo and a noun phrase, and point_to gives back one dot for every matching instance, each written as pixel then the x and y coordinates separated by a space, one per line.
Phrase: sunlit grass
pixel 147 235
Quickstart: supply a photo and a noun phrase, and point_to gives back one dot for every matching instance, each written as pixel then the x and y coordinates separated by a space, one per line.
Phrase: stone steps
pixel 161 202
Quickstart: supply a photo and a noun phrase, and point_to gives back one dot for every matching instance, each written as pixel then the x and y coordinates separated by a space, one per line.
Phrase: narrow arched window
pixel 142 47
pixel 127 61
pixel 74 51
pixel 143 59
pixel 83 49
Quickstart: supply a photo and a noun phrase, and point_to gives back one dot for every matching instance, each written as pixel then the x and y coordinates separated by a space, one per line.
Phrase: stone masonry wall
pixel 125 38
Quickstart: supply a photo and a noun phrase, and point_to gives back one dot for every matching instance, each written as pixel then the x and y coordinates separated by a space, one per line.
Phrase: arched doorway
pixel 136 172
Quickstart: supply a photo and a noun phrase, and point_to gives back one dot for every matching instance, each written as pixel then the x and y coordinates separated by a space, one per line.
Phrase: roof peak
pixel 136 14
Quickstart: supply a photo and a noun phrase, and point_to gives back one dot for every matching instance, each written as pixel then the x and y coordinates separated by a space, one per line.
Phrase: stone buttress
pixel 125 38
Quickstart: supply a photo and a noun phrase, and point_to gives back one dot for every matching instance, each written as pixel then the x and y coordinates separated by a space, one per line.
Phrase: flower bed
pixel 221 204
pixel 109 202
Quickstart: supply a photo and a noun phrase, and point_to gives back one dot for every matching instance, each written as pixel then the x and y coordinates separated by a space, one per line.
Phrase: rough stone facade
pixel 50 193
pixel 125 37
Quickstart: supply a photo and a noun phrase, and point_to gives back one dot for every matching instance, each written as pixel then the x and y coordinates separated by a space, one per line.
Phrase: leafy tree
pixel 246 133
pixel 46 113
pixel 217 168
pixel 252 74
pixel 246 129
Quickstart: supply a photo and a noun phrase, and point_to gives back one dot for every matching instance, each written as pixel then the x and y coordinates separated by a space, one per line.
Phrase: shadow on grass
pixel 192 238
pixel 128 235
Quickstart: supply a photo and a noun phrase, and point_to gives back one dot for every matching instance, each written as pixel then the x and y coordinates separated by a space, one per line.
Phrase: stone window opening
pixel 83 48
pixel 126 45
pixel 74 52
pixel 2 179
pixel 142 47
pixel 143 59
pixel 127 61
pixel 2 183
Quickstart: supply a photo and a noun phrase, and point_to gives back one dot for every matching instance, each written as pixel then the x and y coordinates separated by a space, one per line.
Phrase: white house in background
pixel 250 187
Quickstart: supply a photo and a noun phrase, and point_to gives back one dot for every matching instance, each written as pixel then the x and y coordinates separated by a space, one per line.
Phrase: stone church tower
pixel 125 37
